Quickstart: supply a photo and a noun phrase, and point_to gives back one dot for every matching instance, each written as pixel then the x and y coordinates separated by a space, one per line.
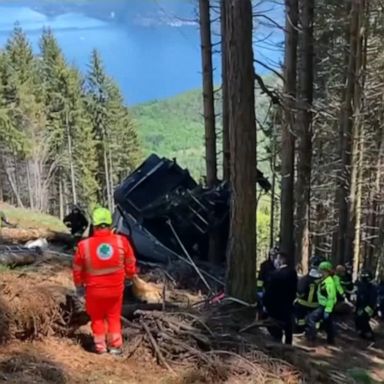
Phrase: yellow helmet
pixel 101 216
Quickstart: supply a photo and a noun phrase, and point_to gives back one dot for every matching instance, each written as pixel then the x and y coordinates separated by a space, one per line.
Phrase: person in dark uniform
pixel 76 222
pixel 279 296
pixel 380 298
pixel 306 298
pixel 266 268
pixel 338 278
pixel 346 280
pixel 366 302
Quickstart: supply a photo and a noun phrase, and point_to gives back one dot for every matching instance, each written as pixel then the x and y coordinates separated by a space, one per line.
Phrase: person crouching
pixel 100 266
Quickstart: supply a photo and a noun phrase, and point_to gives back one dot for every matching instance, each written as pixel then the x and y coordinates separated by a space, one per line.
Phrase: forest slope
pixel 174 127
pixel 28 218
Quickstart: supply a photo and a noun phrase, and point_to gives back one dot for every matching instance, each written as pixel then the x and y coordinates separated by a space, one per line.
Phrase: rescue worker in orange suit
pixel 100 266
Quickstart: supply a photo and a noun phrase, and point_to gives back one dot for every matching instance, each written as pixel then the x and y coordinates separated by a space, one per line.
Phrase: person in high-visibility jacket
pixel 366 303
pixel 306 297
pixel 326 296
pixel 101 264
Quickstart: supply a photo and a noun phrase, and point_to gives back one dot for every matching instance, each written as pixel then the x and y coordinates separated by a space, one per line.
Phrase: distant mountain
pixel 109 10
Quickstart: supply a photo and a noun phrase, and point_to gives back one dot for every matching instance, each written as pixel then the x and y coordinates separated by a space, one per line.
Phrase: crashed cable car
pixel 167 214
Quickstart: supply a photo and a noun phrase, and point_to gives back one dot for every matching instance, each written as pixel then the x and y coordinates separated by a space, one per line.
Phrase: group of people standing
pixel 308 304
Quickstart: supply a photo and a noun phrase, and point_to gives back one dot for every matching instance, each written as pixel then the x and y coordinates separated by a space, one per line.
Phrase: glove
pixel 369 311
pixel 79 302
pixel 80 292
pixel 326 315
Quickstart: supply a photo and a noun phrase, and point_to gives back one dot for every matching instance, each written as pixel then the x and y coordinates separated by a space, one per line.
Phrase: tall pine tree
pixel 112 129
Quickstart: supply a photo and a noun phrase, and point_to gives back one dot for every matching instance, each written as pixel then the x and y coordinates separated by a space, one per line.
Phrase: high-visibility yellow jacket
pixel 326 294
pixel 338 285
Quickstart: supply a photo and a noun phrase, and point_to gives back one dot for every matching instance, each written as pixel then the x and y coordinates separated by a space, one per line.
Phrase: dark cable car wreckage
pixel 168 215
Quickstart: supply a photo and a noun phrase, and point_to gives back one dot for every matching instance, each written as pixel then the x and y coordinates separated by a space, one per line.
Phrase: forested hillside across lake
pixel 175 128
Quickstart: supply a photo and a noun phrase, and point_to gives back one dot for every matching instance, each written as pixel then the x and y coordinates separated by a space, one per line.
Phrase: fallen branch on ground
pixel 14 256
pixel 21 236
pixel 183 338
pixel 156 348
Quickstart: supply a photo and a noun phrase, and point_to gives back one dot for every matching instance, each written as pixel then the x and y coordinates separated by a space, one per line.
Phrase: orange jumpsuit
pixel 101 264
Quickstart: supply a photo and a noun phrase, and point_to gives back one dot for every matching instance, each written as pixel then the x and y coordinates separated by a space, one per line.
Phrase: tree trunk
pixel 345 190
pixel 241 252
pixel 374 219
pixel 287 137
pixel 379 271
pixel 112 187
pixel 30 189
pixel 355 144
pixel 273 189
pixel 358 161
pixel 71 165
pixel 304 148
pixel 224 90
pixel 357 261
pixel 209 115
pixel 61 200
pixel 65 194
pixel 208 95
pixel 106 170
pixel 13 184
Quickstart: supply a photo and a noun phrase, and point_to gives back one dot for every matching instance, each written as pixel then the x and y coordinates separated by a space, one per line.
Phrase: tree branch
pixel 275 99
pixel 270 69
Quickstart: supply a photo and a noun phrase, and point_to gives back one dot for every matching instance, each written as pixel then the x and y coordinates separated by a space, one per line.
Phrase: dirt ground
pixel 53 359
pixel 350 356
pixel 61 361
pixel 65 360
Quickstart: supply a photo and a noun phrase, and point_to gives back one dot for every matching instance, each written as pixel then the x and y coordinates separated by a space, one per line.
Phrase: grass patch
pixel 361 376
pixel 26 218
pixel 4 268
